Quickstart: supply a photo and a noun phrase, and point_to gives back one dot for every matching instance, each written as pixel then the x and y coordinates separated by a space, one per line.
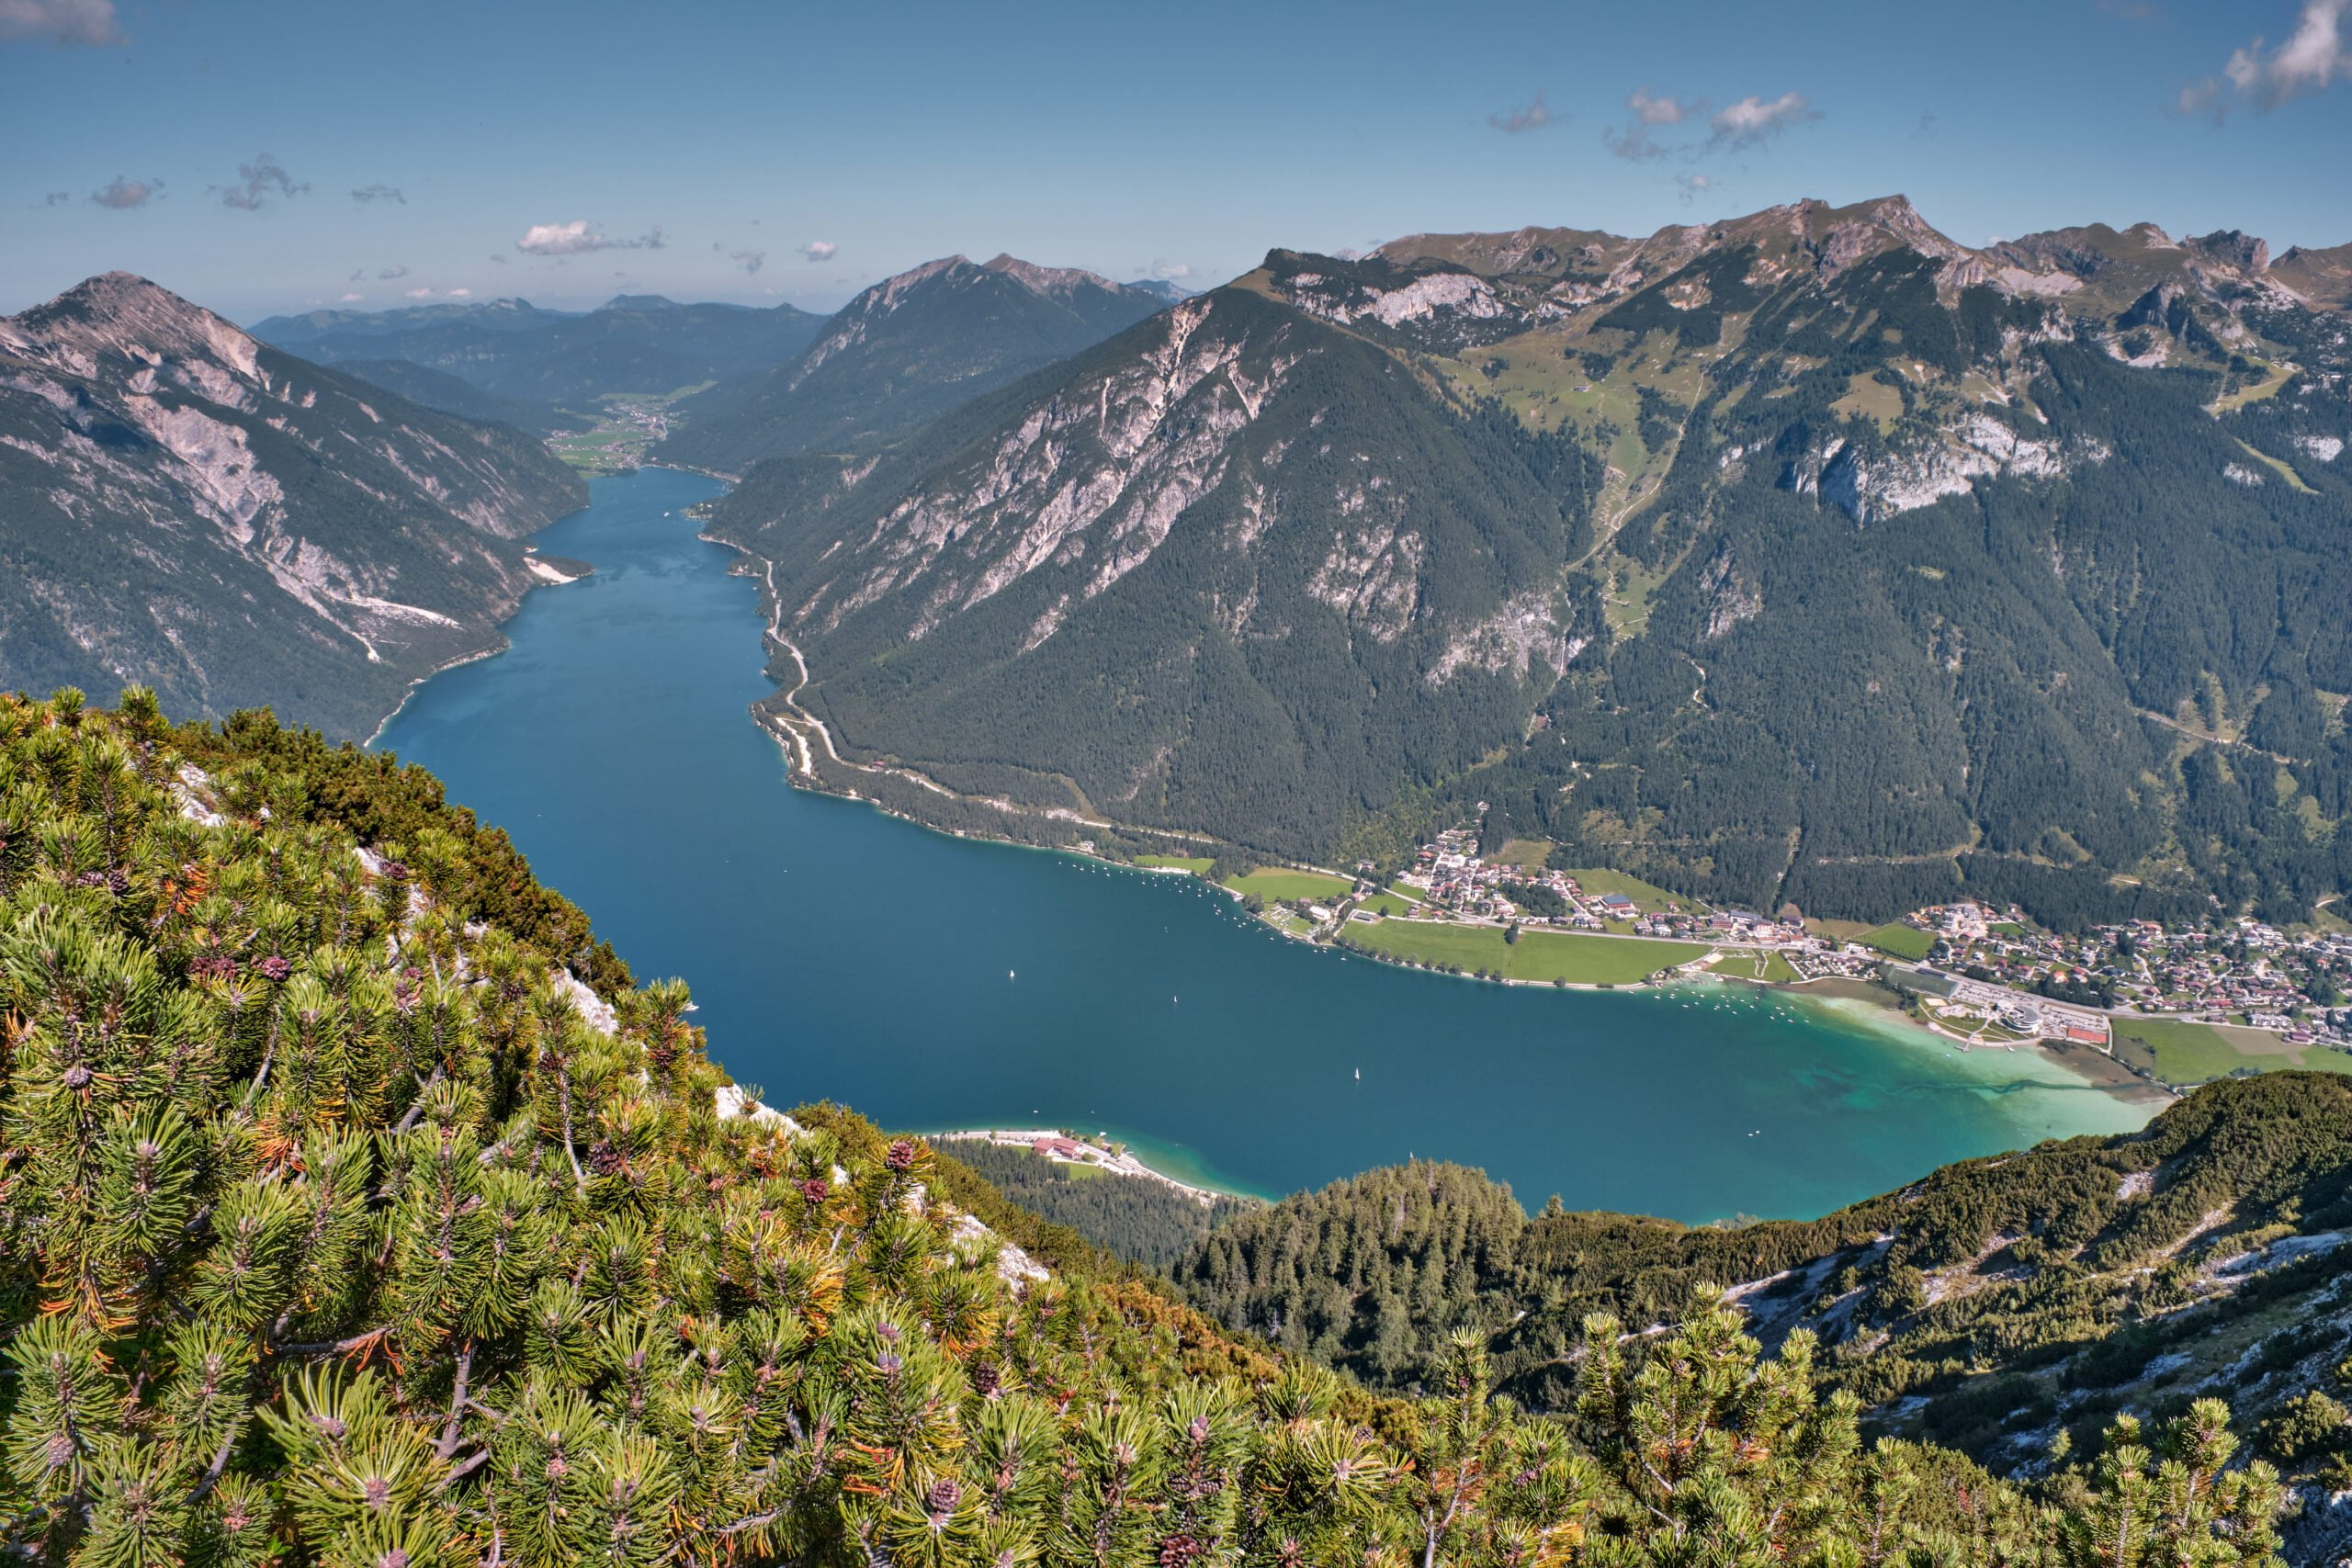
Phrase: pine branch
pixel 453 1426
pixel 211 1476
pixel 416 1107
pixel 480 1458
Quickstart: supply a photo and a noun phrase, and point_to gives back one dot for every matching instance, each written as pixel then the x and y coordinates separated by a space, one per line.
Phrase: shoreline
pixel 792 732
pixel 537 581
pixel 441 669
pixel 1128 1165
pixel 2117 1082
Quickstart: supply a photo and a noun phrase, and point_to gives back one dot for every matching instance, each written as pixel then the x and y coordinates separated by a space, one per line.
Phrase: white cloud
pixel 1654 111
pixel 349 298
pixel 819 250
pixel 420 294
pixel 1170 270
pixel 576 237
pixel 2312 58
pixel 461 294
pixel 1693 187
pixel 87 23
pixel 1636 142
pixel 391 272
pixel 1753 120
pixel 1533 114
pixel 257 182
pixel 119 192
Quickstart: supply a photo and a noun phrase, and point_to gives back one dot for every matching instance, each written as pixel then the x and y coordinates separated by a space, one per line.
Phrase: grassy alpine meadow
pixel 1537 956
pixel 1773 968
pixel 1901 941
pixel 1279 887
pixel 1197 865
pixel 2180 1052
pixel 1647 897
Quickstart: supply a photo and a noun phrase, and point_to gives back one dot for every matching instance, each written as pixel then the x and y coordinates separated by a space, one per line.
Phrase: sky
pixel 259 156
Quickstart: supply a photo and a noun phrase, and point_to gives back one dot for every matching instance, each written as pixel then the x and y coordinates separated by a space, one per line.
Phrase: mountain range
pixel 185 508
pixel 543 359
pixel 903 352
pixel 1810 557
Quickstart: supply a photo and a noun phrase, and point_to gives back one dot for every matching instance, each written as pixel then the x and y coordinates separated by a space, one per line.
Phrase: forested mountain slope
pixel 1805 558
pixel 359 1211
pixel 905 351
pixel 633 342
pixel 1007 598
pixel 439 389
pixel 1992 1305
pixel 183 506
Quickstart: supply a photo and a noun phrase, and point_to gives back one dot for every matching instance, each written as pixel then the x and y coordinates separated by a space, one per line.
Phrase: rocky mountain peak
pixel 1053 282
pixel 2231 248
pixel 120 319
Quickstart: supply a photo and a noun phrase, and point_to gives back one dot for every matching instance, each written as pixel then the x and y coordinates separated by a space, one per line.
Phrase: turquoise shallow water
pixel 933 982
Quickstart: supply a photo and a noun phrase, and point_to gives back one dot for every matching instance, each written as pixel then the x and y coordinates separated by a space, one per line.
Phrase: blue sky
pixel 784 152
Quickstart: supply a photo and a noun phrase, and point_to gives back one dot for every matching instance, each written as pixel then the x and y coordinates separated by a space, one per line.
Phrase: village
pixel 2239 972
pixel 2170 1004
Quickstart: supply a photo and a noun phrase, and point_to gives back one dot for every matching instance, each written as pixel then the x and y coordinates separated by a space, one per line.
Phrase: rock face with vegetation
pixel 903 352
pixel 1809 557
pixel 358 1211
pixel 183 506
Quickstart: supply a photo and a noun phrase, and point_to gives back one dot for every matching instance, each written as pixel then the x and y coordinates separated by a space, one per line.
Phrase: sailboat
pixel 1359 1075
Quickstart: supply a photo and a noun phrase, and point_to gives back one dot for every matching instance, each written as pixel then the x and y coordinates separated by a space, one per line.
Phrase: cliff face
pixel 183 507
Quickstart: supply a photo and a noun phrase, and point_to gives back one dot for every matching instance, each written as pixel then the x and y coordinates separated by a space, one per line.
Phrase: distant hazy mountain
pixel 439 389
pixel 1162 289
pixel 185 508
pixel 1808 557
pixel 905 351
pixel 511 349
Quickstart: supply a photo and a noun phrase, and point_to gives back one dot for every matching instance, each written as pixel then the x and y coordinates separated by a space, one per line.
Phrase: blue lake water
pixel 933 982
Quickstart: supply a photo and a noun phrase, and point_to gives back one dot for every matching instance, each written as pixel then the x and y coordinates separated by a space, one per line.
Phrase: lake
pixel 933 982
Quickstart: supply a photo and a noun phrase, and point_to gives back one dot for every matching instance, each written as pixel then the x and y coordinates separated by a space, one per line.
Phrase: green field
pixel 1647 897
pixel 1900 941
pixel 1282 887
pixel 1197 865
pixel 1387 903
pixel 1537 956
pixel 1773 968
pixel 2183 1053
pixel 1528 855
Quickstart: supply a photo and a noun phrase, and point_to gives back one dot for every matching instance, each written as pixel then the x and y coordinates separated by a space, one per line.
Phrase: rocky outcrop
pixel 1885 482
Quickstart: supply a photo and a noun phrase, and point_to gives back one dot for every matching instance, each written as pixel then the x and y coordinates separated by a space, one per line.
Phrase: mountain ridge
pixel 191 509
pixel 511 349
pixel 904 351
pixel 1751 408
